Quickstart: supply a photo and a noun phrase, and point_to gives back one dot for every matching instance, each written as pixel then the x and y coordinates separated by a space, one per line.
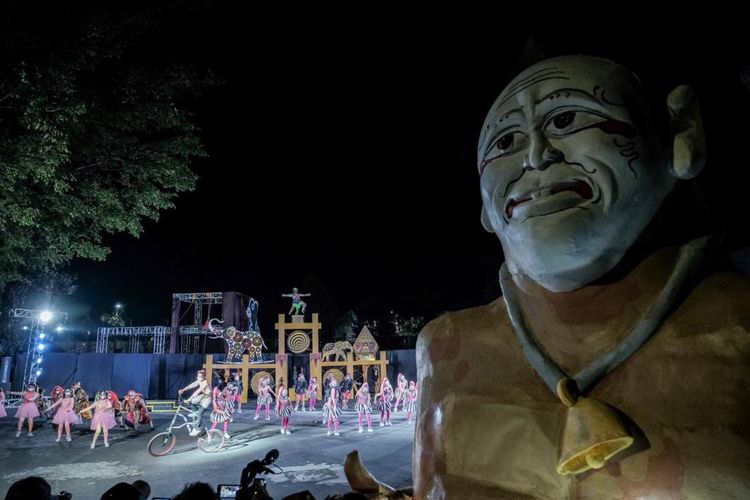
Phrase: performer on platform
pixel 363 406
pixel 312 392
pixel 28 409
pixel 331 408
pixel 284 409
pixel 300 386
pixel 265 397
pixel 230 394
pixel 220 413
pixel 279 389
pixel 401 388
pixel 104 417
pixel 411 401
pixel 384 398
pixel 65 415
pixel 54 396
pixel 136 411
pixel 346 390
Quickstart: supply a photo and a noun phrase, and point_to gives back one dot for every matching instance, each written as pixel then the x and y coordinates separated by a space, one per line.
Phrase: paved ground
pixel 309 459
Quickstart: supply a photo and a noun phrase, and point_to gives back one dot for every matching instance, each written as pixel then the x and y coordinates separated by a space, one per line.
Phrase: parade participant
pixel 265 397
pixel 411 401
pixel 220 413
pixel 136 411
pixel 300 387
pixel 284 409
pixel 65 415
pixel 312 392
pixel 54 397
pixel 363 406
pixel 104 417
pixel 28 409
pixel 238 391
pixel 81 399
pixel 346 390
pixel 331 409
pixel 384 398
pixel 117 407
pixel 2 404
pixel 401 388
pixel 200 399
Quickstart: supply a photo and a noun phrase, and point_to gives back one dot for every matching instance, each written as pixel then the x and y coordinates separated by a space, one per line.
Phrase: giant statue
pixel 615 364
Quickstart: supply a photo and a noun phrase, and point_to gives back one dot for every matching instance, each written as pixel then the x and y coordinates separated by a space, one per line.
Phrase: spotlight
pixel 24 328
pixel 42 335
pixel 41 347
pixel 59 328
pixel 39 361
pixel 45 316
pixel 38 372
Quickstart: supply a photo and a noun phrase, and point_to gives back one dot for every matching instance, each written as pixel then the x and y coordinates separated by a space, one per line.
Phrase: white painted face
pixel 571 170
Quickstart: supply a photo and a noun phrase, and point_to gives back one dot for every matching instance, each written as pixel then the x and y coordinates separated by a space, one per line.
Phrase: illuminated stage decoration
pixel 255 381
pixel 298 341
pixel 365 346
pixel 238 342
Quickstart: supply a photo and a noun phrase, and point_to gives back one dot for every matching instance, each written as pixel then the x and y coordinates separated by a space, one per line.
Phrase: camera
pixel 227 490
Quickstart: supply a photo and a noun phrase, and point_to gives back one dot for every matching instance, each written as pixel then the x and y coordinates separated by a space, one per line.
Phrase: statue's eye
pixel 564 119
pixel 506 141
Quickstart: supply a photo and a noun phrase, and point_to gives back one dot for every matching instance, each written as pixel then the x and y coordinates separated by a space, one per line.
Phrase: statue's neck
pixel 575 327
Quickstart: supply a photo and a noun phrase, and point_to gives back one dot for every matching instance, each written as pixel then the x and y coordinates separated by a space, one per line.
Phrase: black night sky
pixel 342 160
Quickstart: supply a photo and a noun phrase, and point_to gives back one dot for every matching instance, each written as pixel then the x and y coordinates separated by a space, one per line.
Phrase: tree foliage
pixel 94 135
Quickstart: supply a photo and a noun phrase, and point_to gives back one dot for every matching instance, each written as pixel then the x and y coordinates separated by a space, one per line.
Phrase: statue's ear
pixel 686 130
pixel 486 221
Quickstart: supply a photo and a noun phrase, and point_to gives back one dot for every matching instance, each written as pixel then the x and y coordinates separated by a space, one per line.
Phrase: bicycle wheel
pixel 211 441
pixel 161 444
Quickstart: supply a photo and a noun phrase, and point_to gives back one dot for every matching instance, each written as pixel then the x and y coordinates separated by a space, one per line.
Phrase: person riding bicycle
pixel 199 400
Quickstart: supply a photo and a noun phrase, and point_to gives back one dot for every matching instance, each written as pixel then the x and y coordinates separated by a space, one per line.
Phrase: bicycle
pixel 163 443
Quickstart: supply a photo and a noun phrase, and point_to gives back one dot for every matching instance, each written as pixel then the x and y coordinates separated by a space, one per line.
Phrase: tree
pixel 94 137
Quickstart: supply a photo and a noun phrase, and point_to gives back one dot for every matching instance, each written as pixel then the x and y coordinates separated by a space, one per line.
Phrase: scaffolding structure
pixel 37 339
pixel 134 334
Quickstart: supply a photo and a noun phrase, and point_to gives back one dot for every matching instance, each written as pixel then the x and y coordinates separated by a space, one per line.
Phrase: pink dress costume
pixel 104 416
pixel 28 408
pixel 65 413
pixel 331 410
pixel 2 405
pixel 219 414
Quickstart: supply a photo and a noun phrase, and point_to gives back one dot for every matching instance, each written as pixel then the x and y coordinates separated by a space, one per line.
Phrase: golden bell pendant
pixel 593 434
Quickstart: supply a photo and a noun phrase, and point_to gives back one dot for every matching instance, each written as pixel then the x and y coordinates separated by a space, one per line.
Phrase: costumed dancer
pixel 401 388
pixel 279 389
pixel 411 402
pixel 117 407
pixel 331 408
pixel 65 415
pixel 238 389
pixel 104 417
pixel 2 404
pixel 284 409
pixel 81 399
pixel 265 397
pixel 346 390
pixel 220 414
pixel 54 397
pixel 300 386
pixel 230 394
pixel 312 392
pixel 40 401
pixel 136 411
pixel 384 398
pixel 363 406
pixel 28 409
